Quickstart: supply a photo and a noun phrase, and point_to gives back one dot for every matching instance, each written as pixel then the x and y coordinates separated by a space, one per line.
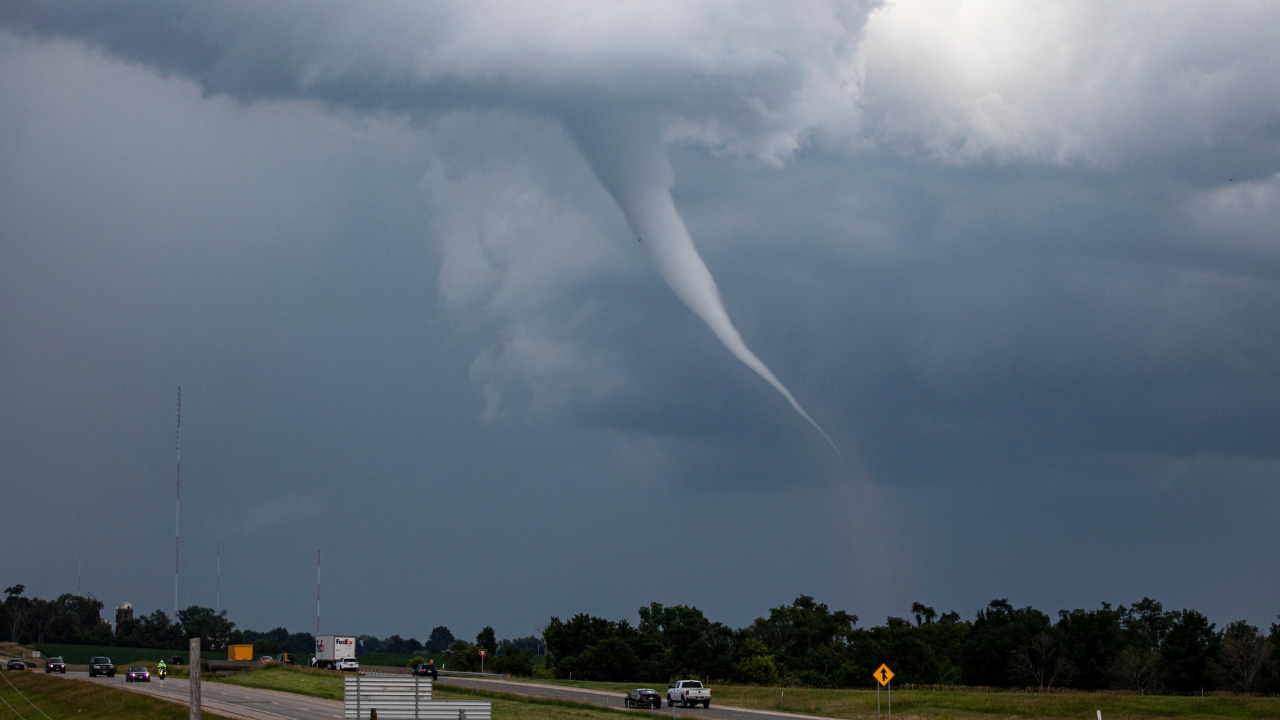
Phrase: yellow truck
pixel 239 652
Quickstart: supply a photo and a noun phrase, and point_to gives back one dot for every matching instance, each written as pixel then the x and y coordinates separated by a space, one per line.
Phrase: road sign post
pixel 482 654
pixel 883 675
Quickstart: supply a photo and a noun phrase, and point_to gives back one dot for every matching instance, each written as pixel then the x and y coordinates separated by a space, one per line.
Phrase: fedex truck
pixel 332 648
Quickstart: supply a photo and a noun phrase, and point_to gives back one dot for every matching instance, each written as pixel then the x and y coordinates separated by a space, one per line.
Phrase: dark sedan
pixel 15 664
pixel 137 673
pixel 642 698
pixel 427 669
pixel 55 665
pixel 101 666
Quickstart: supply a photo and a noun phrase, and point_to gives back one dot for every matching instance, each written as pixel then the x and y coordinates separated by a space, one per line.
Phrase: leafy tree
pixel 368 644
pixel 486 639
pixel 924 614
pixel 1145 624
pixel 997 633
pixel 439 640
pixel 791 631
pixel 898 643
pixel 1270 680
pixel 213 627
pixel 611 659
pixel 530 645
pixel 463 656
pixel 569 639
pixel 754 665
pixel 394 645
pixel 1091 640
pixel 513 662
pixel 412 645
pixel 1185 652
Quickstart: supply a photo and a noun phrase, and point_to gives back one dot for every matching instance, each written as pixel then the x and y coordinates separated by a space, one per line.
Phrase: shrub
pixel 415 660
pixel 463 656
pixel 513 662
pixel 757 670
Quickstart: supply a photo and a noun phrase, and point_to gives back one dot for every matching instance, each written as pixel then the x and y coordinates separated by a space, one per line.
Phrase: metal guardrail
pixel 460 673
pixel 397 697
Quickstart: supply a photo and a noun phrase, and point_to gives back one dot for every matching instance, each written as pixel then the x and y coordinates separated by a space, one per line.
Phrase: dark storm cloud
pixel 1023 268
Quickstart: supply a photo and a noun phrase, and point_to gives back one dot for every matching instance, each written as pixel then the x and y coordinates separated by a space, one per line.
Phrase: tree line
pixel 74 620
pixel 1142 647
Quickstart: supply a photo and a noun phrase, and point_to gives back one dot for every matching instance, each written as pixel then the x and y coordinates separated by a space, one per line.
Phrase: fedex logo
pixel 344 641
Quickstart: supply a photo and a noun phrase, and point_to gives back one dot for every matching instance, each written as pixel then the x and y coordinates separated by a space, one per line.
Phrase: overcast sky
pixel 1021 261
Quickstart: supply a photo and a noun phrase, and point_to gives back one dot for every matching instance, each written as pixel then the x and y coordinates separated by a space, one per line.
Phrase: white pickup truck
pixel 688 692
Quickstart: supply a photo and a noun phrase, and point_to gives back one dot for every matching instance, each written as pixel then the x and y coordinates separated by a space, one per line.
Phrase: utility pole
pixel 177 508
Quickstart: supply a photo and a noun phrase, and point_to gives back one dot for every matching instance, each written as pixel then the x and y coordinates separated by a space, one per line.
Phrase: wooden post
pixel 194 682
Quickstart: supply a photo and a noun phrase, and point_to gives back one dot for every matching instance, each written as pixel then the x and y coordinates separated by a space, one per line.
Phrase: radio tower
pixel 217 603
pixel 317 595
pixel 177 509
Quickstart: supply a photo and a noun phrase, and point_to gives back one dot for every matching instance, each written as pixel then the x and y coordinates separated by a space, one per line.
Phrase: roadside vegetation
pixel 325 684
pixel 1141 648
pixel 60 697
pixel 941 703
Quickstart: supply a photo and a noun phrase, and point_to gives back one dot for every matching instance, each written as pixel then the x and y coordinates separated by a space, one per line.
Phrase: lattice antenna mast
pixel 217 601
pixel 317 594
pixel 177 509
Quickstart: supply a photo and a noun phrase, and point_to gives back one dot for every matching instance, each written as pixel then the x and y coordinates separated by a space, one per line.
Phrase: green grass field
pixel 60 697
pixel 966 704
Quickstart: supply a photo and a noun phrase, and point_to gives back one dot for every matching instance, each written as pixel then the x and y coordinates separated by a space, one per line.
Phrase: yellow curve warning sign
pixel 883 674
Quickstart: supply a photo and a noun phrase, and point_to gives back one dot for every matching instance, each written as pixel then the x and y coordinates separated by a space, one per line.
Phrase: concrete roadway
pixel 254 704
pixel 614 700
pixel 229 700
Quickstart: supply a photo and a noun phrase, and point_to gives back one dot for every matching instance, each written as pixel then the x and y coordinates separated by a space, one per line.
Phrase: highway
pixel 253 704
pixel 614 700
pixel 235 702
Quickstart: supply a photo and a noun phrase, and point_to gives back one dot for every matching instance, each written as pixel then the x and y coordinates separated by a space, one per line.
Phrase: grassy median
pixel 61 697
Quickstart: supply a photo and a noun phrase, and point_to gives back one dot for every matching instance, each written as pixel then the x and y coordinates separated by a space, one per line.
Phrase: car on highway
pixel 99 665
pixel 285 658
pixel 137 673
pixel 15 664
pixel 426 669
pixel 687 693
pixel 346 664
pixel 642 698
pixel 266 658
pixel 55 665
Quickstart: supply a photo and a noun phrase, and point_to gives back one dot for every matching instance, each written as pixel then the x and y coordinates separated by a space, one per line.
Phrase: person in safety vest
pixel 161 669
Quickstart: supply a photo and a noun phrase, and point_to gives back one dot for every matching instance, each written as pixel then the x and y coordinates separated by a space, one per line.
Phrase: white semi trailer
pixel 332 648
